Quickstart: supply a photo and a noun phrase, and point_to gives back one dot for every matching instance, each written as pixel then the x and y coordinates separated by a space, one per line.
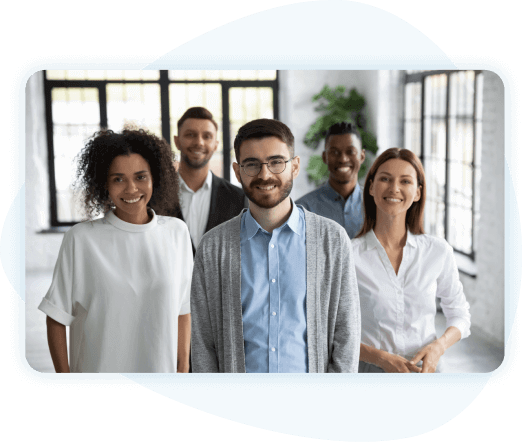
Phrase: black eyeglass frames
pixel 253 168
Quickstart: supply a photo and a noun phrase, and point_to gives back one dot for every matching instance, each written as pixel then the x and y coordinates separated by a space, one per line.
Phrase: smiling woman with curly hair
pixel 122 282
pixel 96 157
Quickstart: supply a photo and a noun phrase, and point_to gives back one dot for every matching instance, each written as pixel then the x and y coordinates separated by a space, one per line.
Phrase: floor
pixel 472 355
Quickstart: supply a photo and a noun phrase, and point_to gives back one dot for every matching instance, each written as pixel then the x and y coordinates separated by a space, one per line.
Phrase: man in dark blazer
pixel 206 200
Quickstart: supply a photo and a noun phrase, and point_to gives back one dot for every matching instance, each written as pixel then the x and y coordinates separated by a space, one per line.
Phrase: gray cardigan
pixel 332 301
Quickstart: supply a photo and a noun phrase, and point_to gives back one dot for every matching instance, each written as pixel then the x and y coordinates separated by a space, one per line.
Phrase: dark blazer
pixel 226 202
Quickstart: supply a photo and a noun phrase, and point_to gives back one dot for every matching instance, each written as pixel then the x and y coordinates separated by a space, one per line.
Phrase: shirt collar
pixel 205 186
pixel 372 241
pixel 335 195
pixel 294 221
pixel 128 227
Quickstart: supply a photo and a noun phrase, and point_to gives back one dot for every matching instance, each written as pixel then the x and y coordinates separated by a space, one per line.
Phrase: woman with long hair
pixel 122 282
pixel 401 271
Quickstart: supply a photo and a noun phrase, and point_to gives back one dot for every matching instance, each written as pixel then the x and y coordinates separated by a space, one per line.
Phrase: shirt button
pixel 273 280
pixel 273 313
pixel 272 246
pixel 273 348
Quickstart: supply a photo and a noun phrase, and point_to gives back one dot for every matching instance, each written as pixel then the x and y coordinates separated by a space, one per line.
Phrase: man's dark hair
pixel 342 129
pixel 99 152
pixel 200 113
pixel 263 128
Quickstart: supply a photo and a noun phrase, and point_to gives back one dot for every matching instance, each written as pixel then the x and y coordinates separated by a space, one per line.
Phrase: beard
pixel 195 164
pixel 268 201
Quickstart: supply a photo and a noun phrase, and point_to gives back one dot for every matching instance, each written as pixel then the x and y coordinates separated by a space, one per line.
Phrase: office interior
pixel 454 120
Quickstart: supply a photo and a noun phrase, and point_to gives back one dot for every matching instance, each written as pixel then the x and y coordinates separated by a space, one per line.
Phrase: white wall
pixel 41 249
pixel 485 293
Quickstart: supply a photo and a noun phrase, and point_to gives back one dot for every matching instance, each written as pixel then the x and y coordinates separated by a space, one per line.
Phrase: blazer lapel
pixel 215 188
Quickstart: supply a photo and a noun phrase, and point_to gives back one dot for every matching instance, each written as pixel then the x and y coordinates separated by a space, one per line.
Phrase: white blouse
pixel 121 288
pixel 398 311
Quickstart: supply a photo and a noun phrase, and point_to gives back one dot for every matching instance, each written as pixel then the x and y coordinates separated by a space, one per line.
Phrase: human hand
pixel 398 364
pixel 430 356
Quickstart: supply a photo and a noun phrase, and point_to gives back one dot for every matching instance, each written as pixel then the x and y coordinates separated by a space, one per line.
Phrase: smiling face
pixel 266 190
pixel 197 141
pixel 130 186
pixel 395 188
pixel 343 155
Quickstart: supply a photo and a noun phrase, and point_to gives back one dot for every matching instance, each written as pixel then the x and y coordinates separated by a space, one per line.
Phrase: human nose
pixel 265 171
pixel 131 186
pixel 344 157
pixel 394 186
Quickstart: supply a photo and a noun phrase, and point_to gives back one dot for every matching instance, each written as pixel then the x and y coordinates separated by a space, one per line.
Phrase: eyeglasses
pixel 253 167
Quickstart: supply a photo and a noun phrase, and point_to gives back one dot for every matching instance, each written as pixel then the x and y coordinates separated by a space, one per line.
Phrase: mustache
pixel 260 182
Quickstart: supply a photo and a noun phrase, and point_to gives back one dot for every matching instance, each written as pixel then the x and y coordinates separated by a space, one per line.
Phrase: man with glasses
pixel 341 197
pixel 291 304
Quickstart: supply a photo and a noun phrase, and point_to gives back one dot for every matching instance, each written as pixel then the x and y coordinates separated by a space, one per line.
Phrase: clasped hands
pixel 429 355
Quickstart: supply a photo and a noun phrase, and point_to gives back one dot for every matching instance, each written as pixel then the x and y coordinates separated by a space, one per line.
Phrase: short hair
pixel 95 159
pixel 342 129
pixel 263 128
pixel 200 113
pixel 414 217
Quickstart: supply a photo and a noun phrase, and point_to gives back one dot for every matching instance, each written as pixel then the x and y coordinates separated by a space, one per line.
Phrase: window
pixel 80 102
pixel 443 126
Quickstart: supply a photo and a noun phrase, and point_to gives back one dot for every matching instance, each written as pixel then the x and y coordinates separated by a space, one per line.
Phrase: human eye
pixel 252 164
pixel 141 177
pixel 277 162
pixel 117 179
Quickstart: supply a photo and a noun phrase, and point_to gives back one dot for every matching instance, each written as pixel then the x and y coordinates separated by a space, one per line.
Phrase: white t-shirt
pixel 121 288
pixel 398 311
pixel 195 207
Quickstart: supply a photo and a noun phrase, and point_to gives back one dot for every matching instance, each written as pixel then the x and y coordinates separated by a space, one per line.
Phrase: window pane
pixel 462 94
pixel 413 117
pixel 135 105
pixel 230 75
pixel 76 117
pixel 100 74
pixel 436 95
pixel 247 104
pixel 460 229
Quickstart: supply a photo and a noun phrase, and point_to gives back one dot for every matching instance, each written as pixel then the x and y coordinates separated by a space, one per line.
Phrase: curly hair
pixel 99 152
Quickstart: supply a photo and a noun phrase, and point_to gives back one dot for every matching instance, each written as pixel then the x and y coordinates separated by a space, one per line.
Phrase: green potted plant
pixel 336 105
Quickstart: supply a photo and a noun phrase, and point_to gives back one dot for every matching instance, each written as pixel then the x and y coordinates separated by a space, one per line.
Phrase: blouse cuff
pixel 461 324
pixel 55 313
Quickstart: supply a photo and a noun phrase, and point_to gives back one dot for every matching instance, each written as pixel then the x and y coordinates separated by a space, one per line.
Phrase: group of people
pixel 184 265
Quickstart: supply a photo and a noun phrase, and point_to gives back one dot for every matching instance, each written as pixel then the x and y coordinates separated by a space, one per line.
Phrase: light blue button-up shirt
pixel 273 295
pixel 325 201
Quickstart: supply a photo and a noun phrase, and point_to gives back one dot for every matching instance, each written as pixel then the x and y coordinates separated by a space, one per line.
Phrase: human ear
pixel 296 166
pixel 237 170
pixel 418 194
pixel 371 189
pixel 323 156
pixel 176 139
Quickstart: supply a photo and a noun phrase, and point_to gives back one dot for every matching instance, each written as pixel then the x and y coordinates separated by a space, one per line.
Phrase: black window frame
pixel 419 77
pixel 164 82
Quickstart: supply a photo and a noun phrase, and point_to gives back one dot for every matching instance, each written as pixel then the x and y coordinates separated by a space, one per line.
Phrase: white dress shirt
pixel 195 207
pixel 398 311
